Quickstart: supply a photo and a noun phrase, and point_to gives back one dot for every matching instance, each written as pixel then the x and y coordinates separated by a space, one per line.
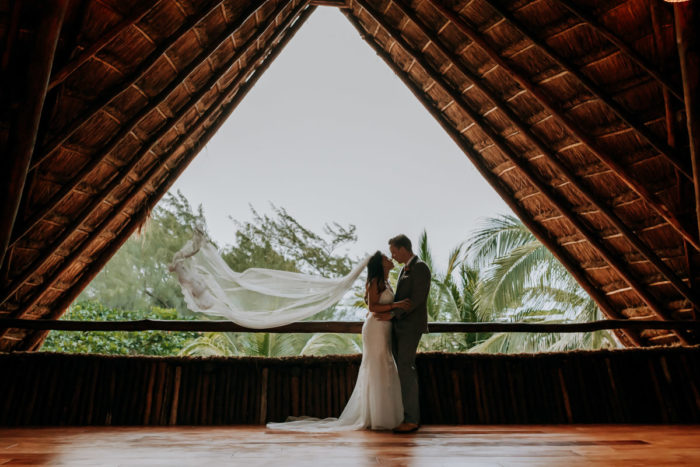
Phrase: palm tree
pixel 522 281
pixel 265 344
pixel 452 297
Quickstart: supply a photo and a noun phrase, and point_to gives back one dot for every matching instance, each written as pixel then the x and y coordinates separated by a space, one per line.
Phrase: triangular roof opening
pixel 336 136
pixel 573 113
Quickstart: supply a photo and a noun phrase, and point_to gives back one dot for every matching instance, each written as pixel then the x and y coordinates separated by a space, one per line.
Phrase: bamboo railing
pixel 343 327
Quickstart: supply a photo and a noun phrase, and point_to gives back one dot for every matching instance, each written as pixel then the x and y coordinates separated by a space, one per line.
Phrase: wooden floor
pixel 502 445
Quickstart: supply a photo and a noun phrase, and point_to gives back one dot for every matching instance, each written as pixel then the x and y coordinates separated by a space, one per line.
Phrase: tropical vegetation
pixel 501 272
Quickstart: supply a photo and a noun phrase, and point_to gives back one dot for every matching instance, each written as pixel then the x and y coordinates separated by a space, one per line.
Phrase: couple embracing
pixel 386 391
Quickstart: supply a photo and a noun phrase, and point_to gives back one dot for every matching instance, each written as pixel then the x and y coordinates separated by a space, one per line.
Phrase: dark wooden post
pixel 686 24
pixel 30 89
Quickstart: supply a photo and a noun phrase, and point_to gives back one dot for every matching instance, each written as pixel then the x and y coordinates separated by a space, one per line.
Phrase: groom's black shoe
pixel 406 427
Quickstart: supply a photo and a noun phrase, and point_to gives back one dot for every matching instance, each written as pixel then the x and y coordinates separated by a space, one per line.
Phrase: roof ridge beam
pixel 496 183
pixel 550 156
pixel 267 55
pixel 97 158
pixel 525 170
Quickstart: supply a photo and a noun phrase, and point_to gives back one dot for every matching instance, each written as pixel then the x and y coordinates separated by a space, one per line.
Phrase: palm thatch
pixel 573 111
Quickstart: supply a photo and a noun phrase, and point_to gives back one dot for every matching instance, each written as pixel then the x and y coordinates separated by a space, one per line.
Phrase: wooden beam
pixel 134 17
pixel 102 101
pixel 667 151
pixel 496 183
pixel 620 171
pixel 59 308
pixel 346 327
pixel 145 179
pixel 99 157
pixel 30 89
pixel 687 19
pixel 624 48
pixel 551 156
pixel 524 168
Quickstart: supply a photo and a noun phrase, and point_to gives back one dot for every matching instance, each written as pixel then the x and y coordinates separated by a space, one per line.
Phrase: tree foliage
pixel 117 343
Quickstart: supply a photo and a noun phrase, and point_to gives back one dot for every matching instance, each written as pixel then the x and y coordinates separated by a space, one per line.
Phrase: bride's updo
pixel 375 270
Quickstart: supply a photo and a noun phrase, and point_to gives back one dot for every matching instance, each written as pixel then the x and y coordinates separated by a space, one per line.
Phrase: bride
pixel 376 400
pixel 263 298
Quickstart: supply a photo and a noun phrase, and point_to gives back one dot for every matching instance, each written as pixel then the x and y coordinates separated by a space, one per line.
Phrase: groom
pixel 408 326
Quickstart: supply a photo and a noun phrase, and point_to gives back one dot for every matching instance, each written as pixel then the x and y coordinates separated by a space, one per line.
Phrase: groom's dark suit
pixel 407 328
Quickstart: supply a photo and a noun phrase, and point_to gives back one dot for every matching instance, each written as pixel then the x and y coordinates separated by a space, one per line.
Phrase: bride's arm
pixel 373 299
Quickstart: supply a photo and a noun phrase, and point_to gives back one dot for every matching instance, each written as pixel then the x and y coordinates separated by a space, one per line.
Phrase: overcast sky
pixel 331 134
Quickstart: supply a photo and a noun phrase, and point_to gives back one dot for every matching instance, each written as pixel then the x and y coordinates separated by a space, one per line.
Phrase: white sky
pixel 331 134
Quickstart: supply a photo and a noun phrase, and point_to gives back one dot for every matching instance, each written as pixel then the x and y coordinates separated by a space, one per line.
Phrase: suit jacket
pixel 414 284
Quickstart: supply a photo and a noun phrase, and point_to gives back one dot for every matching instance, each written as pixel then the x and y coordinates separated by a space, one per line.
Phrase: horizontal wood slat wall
pixel 618 386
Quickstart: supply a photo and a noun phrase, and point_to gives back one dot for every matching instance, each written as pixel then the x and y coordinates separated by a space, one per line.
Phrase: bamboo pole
pixel 650 198
pixel 300 15
pixel 667 151
pixel 562 255
pixel 544 189
pixel 122 86
pixel 145 179
pixel 58 76
pixel 31 89
pixel 127 128
pixel 342 327
pixel 624 48
pixel 550 156
pixel 686 27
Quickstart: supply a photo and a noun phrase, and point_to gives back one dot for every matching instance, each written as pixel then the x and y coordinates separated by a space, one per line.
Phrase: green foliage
pixel 523 282
pixel 281 242
pixel 501 274
pixel 117 343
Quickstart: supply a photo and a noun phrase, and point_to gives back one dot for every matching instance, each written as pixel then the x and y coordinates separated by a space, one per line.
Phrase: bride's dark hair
pixel 375 269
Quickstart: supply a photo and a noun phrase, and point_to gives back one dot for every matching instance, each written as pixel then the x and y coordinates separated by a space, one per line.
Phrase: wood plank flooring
pixel 502 445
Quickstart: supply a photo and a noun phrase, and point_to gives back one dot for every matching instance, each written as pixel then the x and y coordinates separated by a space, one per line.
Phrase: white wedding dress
pixel 264 298
pixel 376 400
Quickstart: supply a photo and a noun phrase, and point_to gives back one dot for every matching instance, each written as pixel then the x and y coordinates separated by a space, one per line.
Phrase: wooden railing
pixel 345 327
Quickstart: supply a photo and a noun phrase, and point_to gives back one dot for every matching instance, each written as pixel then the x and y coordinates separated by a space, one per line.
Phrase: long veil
pixel 256 298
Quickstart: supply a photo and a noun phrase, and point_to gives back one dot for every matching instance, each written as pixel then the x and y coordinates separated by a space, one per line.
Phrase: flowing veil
pixel 256 298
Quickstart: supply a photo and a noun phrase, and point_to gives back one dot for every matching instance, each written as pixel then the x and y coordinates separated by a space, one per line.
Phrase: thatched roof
pixel 562 105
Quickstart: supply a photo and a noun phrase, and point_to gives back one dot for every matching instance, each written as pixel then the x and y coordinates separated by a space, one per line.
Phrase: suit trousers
pixel 404 346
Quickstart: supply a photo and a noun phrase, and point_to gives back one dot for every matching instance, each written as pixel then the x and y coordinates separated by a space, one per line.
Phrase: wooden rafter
pixel 497 184
pixel 667 151
pixel 58 76
pixel 155 138
pixel 31 89
pixel 126 129
pixel 268 55
pixel 122 86
pixel 551 157
pixel 624 48
pixel 621 172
